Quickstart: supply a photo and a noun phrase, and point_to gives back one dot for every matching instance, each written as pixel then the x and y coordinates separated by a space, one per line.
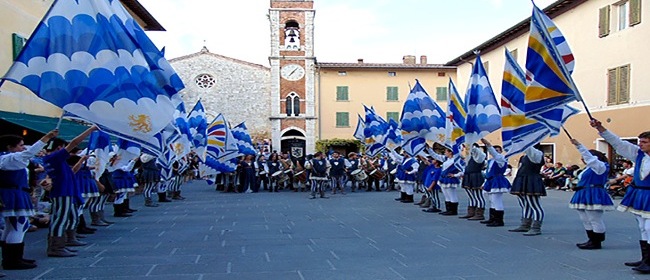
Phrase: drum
pixel 280 176
pixel 392 172
pixel 301 176
pixel 359 175
pixel 377 174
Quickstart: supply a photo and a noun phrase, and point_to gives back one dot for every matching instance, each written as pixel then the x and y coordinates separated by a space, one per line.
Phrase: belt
pixel 590 186
pixel 640 187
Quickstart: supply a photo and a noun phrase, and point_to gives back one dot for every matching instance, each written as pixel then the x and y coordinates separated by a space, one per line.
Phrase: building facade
pixel 292 61
pixel 607 39
pixel 237 89
pixel 343 89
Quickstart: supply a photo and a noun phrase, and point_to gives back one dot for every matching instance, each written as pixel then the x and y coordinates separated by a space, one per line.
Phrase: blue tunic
pixel 86 182
pixel 63 179
pixel 449 182
pixel 432 174
pixel 591 194
pixel 495 181
pixel 338 167
pixel 637 197
pixel 14 192
pixel 402 169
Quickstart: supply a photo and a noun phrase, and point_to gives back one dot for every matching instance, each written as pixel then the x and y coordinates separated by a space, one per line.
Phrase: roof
pixel 205 51
pixel 383 65
pixel 67 131
pixel 555 9
pixel 150 23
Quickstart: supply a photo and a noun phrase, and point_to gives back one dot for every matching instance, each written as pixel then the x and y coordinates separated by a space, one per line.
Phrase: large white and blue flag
pixel 455 121
pixel 198 129
pixel 244 141
pixel 220 138
pixel 91 59
pixel 183 144
pixel 393 137
pixel 422 119
pixel 483 113
pixel 374 132
pixel 100 145
pixel 358 132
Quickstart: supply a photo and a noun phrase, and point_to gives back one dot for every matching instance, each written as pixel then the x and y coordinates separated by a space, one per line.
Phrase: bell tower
pixel 292 60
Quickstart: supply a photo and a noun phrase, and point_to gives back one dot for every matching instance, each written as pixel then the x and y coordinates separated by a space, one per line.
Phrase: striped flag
pixel 374 132
pixel 358 132
pixel 220 138
pixel 198 123
pixel 455 120
pixel 244 141
pixel 550 84
pixel 483 113
pixel 422 119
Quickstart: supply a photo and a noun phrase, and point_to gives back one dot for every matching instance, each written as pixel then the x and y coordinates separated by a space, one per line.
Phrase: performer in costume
pixel 406 172
pixel 472 182
pixel 529 187
pixel 353 160
pixel 591 198
pixel 274 166
pixel 390 168
pixel 64 196
pixel 319 167
pixel 124 184
pixel 496 184
pixel 248 169
pixel 337 172
pixel 449 180
pixel 16 206
pixel 150 177
pixel 262 173
pixel 637 196
pixel 86 189
pixel 431 178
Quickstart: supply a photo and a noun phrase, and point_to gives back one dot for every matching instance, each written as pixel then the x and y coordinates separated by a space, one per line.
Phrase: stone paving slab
pixel 361 235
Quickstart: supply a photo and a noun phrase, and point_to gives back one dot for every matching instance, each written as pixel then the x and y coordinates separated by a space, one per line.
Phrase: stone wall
pixel 241 90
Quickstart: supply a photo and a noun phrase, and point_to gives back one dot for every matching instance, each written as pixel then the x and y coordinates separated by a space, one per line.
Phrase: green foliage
pixel 325 144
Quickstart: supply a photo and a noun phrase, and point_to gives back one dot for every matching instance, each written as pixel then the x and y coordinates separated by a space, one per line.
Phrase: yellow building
pixel 607 38
pixel 343 88
pixel 18 19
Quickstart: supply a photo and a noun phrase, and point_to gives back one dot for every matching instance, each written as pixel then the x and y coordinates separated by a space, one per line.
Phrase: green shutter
pixel 635 12
pixel 342 93
pixel 392 94
pixel 603 21
pixel 392 115
pixel 611 87
pixel 342 119
pixel 18 43
pixel 441 94
pixel 624 84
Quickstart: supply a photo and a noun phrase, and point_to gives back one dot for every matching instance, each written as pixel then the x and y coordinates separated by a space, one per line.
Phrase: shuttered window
pixel 342 93
pixel 618 85
pixel 392 94
pixel 635 12
pixel 441 94
pixel 392 115
pixel 603 21
pixel 342 119
pixel 18 44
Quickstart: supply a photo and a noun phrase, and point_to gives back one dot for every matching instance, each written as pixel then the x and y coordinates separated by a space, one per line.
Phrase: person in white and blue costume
pixel 529 187
pixel 637 197
pixel 406 174
pixel 591 199
pixel 449 180
pixel 16 202
pixel 496 184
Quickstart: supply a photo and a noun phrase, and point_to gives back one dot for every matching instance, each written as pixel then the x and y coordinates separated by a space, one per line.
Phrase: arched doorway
pixel 293 142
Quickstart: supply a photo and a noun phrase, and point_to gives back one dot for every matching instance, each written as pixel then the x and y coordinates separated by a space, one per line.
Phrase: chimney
pixel 423 59
pixel 408 59
pixel 360 60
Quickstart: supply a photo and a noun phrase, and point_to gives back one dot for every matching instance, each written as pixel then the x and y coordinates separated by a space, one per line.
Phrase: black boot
pixel 594 242
pixel 590 236
pixel 644 248
pixel 11 260
pixel 644 267
pixel 21 254
pixel 82 228
pixel 408 199
pixel 453 209
pixel 447 208
pixel 119 212
pixel 491 217
pixel 162 197
pixel 127 206
pixel 498 219
pixel 402 196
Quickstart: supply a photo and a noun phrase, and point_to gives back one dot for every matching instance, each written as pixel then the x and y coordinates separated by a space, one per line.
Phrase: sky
pixel 378 31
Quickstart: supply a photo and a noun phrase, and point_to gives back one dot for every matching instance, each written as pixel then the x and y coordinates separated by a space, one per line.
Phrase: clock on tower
pixel 292 62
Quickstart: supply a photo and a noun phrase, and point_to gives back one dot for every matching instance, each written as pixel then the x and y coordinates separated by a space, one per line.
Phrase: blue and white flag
pixel 456 117
pixel 422 119
pixel 358 132
pixel 244 141
pixel 183 145
pixel 483 113
pixel 220 138
pixel 100 145
pixel 374 132
pixel 198 129
pixel 91 59
pixel 393 137
pixel 126 151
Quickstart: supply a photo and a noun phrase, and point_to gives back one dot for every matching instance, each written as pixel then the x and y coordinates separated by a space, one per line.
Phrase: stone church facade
pixel 239 90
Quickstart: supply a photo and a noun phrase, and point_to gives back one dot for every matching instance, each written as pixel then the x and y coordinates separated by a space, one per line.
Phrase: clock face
pixel 292 72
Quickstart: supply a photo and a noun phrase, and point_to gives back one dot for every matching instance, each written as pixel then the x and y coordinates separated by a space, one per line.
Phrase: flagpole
pixel 567 133
pixel 58 124
pixel 586 109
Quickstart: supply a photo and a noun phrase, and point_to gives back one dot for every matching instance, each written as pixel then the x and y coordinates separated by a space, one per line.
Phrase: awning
pixel 67 131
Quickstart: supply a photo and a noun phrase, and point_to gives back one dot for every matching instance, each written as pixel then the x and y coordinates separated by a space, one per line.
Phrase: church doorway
pixel 293 142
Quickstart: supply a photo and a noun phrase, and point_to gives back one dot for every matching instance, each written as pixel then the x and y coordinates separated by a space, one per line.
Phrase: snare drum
pixel 301 176
pixel 280 176
pixel 392 172
pixel 359 175
pixel 377 174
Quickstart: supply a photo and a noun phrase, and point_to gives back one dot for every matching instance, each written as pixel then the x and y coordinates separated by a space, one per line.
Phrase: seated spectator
pixel 618 184
pixel 570 177
pixel 547 172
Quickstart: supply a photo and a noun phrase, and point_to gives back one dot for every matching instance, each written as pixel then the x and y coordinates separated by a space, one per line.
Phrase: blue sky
pixel 346 30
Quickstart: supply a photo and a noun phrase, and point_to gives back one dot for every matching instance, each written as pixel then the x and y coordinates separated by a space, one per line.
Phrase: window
pixel 392 115
pixel 623 14
pixel 392 74
pixel 441 94
pixel 204 81
pixel 343 73
pixel 618 85
pixel 342 119
pixel 392 94
pixel 342 93
pixel 292 104
pixel 627 13
pixel 18 44
pixel 603 21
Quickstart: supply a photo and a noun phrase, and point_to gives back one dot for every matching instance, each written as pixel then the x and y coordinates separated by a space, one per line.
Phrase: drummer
pixel 352 164
pixel 274 167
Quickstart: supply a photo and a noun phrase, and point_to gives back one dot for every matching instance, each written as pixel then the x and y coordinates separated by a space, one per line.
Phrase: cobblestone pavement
pixel 361 235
